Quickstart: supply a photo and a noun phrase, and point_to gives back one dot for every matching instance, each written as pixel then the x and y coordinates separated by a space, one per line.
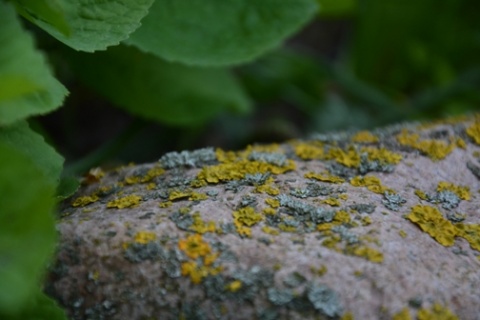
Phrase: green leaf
pixel 39 307
pixel 91 24
pixel 152 88
pixel 27 229
pixel 67 187
pixel 28 86
pixel 26 141
pixel 336 8
pixel 48 11
pixel 219 32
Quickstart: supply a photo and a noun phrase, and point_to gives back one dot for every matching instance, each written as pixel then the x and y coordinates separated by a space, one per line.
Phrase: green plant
pixel 167 63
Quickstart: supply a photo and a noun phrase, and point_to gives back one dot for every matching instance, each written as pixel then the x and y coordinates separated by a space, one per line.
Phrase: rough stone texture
pixel 316 250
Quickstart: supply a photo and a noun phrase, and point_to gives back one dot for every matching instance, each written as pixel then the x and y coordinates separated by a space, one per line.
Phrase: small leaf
pixel 167 92
pixel 67 187
pixel 28 86
pixel 27 229
pixel 26 141
pixel 39 307
pixel 219 32
pixel 91 24
pixel 48 11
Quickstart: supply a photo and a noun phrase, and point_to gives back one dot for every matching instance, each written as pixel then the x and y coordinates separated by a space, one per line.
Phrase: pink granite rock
pixel 353 226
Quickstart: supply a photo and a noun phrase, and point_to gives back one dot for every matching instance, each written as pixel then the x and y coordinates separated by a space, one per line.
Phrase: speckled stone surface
pixel 379 225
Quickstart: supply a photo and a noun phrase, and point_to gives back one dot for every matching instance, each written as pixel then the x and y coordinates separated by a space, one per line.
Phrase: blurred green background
pixel 358 64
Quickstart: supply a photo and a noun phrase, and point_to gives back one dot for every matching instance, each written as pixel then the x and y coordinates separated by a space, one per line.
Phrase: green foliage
pixel 85 24
pixel 219 32
pixel 27 232
pixel 28 86
pixel 168 92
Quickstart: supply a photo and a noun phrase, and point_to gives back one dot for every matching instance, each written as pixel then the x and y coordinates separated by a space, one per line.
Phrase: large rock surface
pixel 379 225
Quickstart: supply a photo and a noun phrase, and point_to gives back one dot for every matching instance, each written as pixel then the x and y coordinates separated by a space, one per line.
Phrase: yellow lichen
pixel 144 237
pixel 474 131
pixel 201 226
pixel 194 271
pixel 430 220
pixel 195 196
pixel 194 246
pixel 347 316
pixel 437 312
pixel 83 201
pixel 471 233
pixel 247 216
pixel 269 211
pixel 320 271
pixel 124 202
pixel 402 315
pixel 366 221
pixel 364 137
pixel 165 204
pixel 274 203
pixel 402 233
pixel 332 202
pixel 151 174
pixel 371 182
pixel 435 149
pixel 368 253
pixel 463 192
pixel 341 217
pixel 382 155
pixel 234 286
pixel 270 230
pixel 349 158
pixel 324 177
pixel 422 195
pixel 268 188
pixel 309 151
pixel 242 230
pixel 177 194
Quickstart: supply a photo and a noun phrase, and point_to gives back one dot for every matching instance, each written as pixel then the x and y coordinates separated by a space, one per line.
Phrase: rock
pixel 367 225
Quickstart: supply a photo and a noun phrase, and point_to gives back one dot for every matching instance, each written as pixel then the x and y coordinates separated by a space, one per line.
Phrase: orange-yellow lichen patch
pixel 471 233
pixel 437 312
pixel 124 202
pixel 368 253
pixel 144 237
pixel 349 158
pixel 270 230
pixel 404 314
pixel 178 194
pixel 269 211
pixel 165 204
pixel 242 230
pixel 461 143
pixel 247 216
pixel 151 174
pixel 194 271
pixel 364 137
pixel 430 220
pixel 463 192
pixel 474 131
pixel 194 246
pixel 274 203
pixel 237 170
pixel 435 149
pixel 83 201
pixel 422 195
pixel 334 202
pixel 234 286
pixel 268 188
pixel 201 226
pixel 324 177
pixel 341 217
pixel 195 196
pixel 309 151
pixel 382 155
pixel 371 182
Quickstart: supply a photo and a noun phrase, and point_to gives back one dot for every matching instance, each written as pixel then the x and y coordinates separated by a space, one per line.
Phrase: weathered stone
pixel 386 225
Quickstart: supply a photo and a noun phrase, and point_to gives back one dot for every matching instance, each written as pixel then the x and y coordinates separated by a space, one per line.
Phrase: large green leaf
pixel 26 141
pixel 167 92
pixel 336 8
pixel 219 32
pixel 86 25
pixel 38 307
pixel 27 84
pixel 27 229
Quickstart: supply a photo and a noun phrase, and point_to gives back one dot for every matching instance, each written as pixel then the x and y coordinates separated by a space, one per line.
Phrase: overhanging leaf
pixel 91 24
pixel 27 230
pixel 167 92
pixel 28 86
pixel 219 32
pixel 26 141
pixel 39 307
pixel 48 11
